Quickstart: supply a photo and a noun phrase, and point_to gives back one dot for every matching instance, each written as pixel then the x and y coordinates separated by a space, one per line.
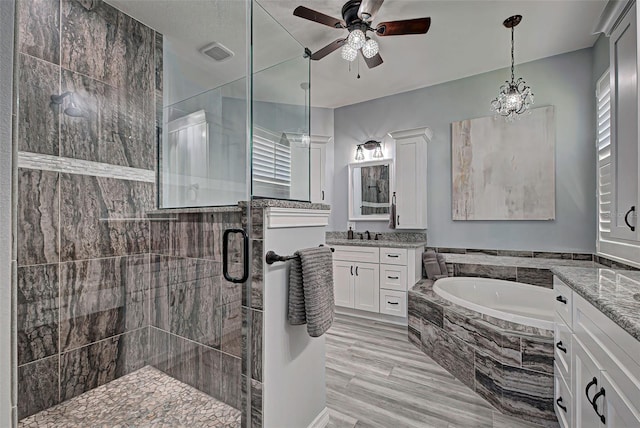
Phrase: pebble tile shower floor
pixel 145 398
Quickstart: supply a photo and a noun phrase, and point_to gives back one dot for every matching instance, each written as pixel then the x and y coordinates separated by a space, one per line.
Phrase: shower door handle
pixel 245 256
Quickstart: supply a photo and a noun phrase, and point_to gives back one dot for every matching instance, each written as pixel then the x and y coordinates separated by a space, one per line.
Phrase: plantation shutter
pixel 603 99
pixel 271 159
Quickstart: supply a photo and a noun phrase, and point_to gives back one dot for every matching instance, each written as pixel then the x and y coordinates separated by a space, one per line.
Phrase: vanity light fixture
pixel 369 145
pixel 515 97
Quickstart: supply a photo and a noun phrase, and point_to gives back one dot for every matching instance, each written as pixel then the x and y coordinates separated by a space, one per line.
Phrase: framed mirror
pixel 370 185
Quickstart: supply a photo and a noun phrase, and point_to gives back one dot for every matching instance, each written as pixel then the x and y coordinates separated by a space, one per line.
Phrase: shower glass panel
pixel 281 113
pixel 204 149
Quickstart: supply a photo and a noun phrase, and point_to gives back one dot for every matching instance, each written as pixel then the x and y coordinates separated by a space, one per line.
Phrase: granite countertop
pixel 280 203
pixel 615 293
pixel 525 262
pixel 374 243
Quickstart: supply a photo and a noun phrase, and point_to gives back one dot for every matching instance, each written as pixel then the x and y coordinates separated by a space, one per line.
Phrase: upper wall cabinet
pixel 411 177
pixel 623 48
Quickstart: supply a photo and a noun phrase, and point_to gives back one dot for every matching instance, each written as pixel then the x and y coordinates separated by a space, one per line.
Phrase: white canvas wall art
pixel 504 170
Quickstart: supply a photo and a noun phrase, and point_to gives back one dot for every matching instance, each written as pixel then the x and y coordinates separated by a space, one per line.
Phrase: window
pixel 271 161
pixel 603 99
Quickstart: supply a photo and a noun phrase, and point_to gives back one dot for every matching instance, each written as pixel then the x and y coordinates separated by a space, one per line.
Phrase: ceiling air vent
pixel 217 52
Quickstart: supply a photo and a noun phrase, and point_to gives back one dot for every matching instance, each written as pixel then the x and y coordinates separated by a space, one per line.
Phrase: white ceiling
pixel 466 38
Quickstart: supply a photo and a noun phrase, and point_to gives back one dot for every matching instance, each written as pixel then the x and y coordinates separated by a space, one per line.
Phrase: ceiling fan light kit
pixel 357 19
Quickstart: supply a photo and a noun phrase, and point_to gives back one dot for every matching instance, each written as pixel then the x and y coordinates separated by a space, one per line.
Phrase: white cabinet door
pixel 624 127
pixel 367 287
pixel 617 408
pixel 406 184
pixel 318 168
pixel 587 383
pixel 343 278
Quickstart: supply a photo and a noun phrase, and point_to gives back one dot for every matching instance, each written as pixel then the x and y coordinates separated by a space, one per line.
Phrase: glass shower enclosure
pixel 141 140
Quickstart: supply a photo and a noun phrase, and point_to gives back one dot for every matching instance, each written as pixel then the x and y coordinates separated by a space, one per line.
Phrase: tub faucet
pixel 368 235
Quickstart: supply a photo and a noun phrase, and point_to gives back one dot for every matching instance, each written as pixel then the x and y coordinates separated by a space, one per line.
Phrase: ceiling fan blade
pixel 408 26
pixel 369 8
pixel 373 61
pixel 315 16
pixel 318 55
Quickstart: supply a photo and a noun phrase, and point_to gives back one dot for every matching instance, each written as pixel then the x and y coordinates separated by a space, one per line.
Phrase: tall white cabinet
pixel 623 48
pixel 411 177
pixel 618 97
pixel 318 168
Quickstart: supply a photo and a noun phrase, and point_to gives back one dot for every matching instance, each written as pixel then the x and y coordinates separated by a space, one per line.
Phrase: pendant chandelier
pixel 515 97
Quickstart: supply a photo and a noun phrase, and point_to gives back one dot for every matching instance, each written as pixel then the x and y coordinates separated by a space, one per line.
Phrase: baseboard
pixel 322 420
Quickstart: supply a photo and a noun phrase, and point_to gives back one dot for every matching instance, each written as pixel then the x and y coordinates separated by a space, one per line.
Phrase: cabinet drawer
pixel 393 277
pixel 563 301
pixel 563 400
pixel 563 340
pixel 393 303
pixel 393 256
pixel 357 254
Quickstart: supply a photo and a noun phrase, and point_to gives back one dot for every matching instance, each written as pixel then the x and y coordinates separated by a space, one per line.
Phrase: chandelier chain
pixel 513 76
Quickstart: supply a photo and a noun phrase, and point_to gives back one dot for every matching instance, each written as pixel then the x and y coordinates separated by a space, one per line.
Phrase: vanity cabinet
pixel 411 177
pixel 375 279
pixel 597 367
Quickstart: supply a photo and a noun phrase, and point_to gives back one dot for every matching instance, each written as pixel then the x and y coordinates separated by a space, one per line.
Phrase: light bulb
pixel 370 48
pixel 349 53
pixel 356 39
pixel 359 153
pixel 377 153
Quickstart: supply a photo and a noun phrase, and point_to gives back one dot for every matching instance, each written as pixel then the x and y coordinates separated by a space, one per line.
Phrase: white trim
pixel 426 133
pixel 277 218
pixel 322 420
pixel 320 139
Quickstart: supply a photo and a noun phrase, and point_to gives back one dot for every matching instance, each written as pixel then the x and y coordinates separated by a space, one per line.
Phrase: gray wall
pixel 7 13
pixel 564 81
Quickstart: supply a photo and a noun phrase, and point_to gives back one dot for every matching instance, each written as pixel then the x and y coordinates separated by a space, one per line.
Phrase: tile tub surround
pixel 528 270
pixel 83 240
pixel 509 365
pixel 615 293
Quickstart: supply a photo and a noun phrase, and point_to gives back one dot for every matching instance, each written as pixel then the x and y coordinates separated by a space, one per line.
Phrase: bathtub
pixel 510 301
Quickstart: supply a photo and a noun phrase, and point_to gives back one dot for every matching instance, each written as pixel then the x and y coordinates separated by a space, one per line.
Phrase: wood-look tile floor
pixel 376 378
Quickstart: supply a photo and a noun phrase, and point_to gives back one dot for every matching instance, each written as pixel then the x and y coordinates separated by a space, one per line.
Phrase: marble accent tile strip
pixel 78 166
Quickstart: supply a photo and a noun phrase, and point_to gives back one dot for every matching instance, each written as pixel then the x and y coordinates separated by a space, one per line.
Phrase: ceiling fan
pixel 357 19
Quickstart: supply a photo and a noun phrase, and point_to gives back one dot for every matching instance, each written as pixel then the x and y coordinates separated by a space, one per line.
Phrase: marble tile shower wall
pixel 83 240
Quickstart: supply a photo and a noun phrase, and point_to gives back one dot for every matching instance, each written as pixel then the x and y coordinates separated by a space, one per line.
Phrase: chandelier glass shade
pixel 370 48
pixel 515 96
pixel 348 53
pixel 356 39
